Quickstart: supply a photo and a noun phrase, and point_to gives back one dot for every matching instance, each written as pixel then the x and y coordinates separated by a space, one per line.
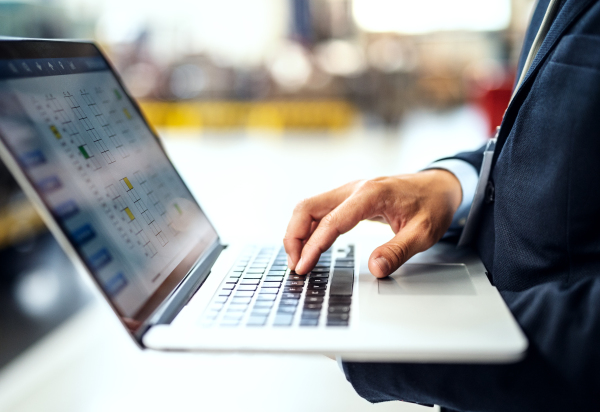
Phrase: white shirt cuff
pixel 467 176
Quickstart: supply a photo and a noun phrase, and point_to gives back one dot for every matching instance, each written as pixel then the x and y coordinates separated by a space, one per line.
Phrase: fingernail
pixel 299 265
pixel 383 264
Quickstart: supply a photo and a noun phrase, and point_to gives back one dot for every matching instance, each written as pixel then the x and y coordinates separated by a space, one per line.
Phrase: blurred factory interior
pixel 260 78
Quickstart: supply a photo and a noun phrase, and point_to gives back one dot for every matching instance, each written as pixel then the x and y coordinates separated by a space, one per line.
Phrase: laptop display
pixel 92 159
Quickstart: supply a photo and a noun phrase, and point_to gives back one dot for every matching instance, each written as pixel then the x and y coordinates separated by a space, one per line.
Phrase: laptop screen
pixel 101 172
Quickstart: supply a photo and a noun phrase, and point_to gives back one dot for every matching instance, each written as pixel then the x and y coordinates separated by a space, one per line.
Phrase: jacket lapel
pixel 566 15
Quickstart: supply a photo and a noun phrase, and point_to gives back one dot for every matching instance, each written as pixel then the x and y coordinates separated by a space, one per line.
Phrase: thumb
pixel 390 256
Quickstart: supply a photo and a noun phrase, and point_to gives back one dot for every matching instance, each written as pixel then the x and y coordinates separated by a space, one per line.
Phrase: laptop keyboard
pixel 260 291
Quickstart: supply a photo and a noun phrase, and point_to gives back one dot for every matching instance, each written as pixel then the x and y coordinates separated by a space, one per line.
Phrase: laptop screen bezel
pixel 40 49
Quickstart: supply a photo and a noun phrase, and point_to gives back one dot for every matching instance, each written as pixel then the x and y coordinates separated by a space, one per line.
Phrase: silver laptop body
pixel 80 148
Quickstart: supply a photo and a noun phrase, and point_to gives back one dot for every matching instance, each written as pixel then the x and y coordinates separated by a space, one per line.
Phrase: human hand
pixel 419 208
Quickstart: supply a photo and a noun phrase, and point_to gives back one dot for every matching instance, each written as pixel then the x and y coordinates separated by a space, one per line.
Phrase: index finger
pixel 340 220
pixel 308 211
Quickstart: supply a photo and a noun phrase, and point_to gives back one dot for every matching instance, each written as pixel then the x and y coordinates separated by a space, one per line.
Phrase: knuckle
pixel 315 245
pixel 370 185
pixel 328 220
pixel 302 205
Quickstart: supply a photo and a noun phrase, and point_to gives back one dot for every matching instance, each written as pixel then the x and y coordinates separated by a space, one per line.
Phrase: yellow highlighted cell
pixel 128 211
pixel 128 183
pixel 127 114
pixel 55 132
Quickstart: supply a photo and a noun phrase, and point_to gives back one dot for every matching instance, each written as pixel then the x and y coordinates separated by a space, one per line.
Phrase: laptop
pixel 80 148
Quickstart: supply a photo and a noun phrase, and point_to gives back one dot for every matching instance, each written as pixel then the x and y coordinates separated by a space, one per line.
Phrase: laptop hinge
pixel 181 296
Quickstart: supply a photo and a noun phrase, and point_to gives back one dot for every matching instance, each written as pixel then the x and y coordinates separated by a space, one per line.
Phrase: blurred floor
pixel 248 185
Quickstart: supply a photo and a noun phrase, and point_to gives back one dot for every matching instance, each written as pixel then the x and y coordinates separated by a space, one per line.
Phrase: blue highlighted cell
pixel 83 235
pixel 66 210
pixel 99 259
pixel 115 285
pixel 49 184
pixel 32 158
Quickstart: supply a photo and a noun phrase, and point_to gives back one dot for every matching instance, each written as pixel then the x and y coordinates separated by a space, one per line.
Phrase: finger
pixel 305 216
pixel 340 220
pixel 388 257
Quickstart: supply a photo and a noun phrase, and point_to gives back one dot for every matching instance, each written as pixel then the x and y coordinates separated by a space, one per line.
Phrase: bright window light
pixel 424 16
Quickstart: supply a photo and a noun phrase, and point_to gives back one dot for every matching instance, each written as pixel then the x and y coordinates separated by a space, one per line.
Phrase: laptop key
pixel 339 309
pixel 311 314
pixel 240 300
pixel 263 304
pixel 283 320
pixel 318 275
pixel 315 280
pixel 313 305
pixel 244 294
pixel 266 284
pixel 252 277
pixel 237 308
pixel 269 291
pixel 224 292
pixel 341 282
pixel 315 293
pixel 235 275
pixel 232 280
pixel 293 289
pixel 266 297
pixel 294 283
pixel 250 282
pixel 338 316
pixel 255 271
pixel 312 286
pixel 278 268
pixel 314 299
pixel 276 273
pixel 286 309
pixel 247 287
pixel 220 299
pixel 296 277
pixel 309 322
pixel 288 302
pixel 290 296
pixel 337 322
pixel 256 321
pixel 260 311
pixel 340 300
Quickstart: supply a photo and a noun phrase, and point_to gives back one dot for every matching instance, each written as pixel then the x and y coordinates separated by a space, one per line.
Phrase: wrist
pixel 447 184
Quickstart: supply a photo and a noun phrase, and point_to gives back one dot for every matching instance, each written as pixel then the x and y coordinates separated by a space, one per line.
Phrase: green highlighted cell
pixel 178 208
pixel 84 152
pixel 117 94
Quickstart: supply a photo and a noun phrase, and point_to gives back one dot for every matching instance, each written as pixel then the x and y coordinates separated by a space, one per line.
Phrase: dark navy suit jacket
pixel 539 240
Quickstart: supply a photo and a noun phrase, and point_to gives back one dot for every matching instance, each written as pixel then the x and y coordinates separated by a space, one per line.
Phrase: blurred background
pixel 244 89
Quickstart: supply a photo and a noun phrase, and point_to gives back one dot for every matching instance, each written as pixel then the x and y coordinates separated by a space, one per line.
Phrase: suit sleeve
pixel 560 372
pixel 474 158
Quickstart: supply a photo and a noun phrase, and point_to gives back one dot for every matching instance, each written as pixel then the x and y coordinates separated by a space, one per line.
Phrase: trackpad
pixel 428 279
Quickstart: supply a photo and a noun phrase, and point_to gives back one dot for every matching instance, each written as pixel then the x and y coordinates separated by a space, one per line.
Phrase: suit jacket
pixel 539 239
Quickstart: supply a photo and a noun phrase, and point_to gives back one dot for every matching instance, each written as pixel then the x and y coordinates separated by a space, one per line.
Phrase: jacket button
pixel 489 193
